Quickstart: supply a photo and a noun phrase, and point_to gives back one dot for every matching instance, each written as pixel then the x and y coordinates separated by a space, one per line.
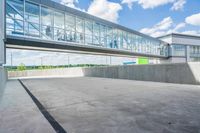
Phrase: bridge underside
pixel 56 46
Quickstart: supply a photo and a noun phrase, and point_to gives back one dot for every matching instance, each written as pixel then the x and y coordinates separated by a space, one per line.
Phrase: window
pixel 14 17
pixel 178 50
pixel 109 37
pixel 88 32
pixel 79 30
pixel 103 35
pixel 32 19
pixel 47 23
pixel 70 27
pixel 96 34
pixel 59 24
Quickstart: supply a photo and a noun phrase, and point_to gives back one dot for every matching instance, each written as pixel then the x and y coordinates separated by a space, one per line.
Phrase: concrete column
pixel 2 32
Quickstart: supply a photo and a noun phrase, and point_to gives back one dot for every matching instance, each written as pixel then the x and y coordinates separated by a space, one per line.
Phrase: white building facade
pixel 182 47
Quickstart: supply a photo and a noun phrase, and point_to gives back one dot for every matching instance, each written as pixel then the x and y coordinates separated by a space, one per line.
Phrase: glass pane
pixel 79 25
pixel 16 27
pixel 88 27
pixel 70 36
pixel 32 12
pixel 59 34
pixel 109 37
pixel 96 34
pixel 59 19
pixel 80 37
pixel 15 9
pixel 31 29
pixel 88 39
pixel 47 16
pixel 69 22
pixel 47 32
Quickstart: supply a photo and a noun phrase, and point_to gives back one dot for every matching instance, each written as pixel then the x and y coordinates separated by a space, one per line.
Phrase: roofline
pixel 82 14
pixel 179 34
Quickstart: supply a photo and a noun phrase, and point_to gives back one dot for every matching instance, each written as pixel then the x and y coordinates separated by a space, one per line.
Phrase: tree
pixel 21 67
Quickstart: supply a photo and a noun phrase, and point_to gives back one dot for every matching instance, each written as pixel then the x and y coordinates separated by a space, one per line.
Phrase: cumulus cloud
pixel 193 19
pixel 159 28
pixel 71 3
pixel 105 9
pixel 163 27
pixel 178 5
pixel 179 26
pixel 150 4
pixel 129 3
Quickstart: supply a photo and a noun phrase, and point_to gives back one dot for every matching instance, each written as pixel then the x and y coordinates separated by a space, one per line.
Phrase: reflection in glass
pixel 47 23
pixel 63 26
pixel 32 18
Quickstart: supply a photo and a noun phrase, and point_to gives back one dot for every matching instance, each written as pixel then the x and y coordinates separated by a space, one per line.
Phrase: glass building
pixel 48 20
pixel 183 46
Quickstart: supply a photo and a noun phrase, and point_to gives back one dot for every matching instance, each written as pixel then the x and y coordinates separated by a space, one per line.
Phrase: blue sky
pixel 152 17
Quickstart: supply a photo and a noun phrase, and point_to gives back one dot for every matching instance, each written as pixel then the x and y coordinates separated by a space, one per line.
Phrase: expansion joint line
pixel 56 126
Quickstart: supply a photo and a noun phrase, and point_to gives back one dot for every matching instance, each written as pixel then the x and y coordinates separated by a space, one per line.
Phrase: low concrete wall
pixel 183 73
pixel 65 72
pixel 3 77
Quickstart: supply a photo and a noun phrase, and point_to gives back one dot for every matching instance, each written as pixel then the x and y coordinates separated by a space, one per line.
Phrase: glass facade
pixel 24 18
pixel 178 50
pixel 195 53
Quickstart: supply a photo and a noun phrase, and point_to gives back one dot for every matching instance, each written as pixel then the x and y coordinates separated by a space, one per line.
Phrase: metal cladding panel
pixel 185 40
pixel 2 32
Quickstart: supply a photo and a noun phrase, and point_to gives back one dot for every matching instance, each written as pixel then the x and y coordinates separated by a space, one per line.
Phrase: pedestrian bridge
pixel 47 25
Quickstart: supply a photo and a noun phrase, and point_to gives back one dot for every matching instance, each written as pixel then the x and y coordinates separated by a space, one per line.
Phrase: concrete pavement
pixel 100 105
pixel 18 113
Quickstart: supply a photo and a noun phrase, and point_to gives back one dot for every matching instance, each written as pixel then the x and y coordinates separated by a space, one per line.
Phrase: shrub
pixel 21 67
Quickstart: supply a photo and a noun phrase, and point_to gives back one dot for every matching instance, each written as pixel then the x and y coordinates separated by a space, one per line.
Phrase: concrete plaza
pixel 100 105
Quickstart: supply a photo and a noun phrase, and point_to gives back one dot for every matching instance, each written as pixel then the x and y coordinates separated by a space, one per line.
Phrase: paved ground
pixel 97 105
pixel 18 113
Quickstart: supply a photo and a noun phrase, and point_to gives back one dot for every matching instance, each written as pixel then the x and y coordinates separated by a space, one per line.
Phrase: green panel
pixel 143 61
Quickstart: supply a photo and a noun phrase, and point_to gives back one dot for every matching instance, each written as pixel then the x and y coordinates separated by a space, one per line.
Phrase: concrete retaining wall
pixel 3 77
pixel 183 73
pixel 65 72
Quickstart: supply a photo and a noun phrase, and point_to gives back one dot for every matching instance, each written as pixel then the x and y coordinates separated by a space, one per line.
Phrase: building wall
pixel 186 40
pixel 3 77
pixel 2 34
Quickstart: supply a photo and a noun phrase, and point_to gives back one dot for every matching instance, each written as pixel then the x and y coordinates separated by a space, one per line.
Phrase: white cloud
pixel 179 26
pixel 166 26
pixel 193 19
pixel 153 3
pixel 159 28
pixel 129 3
pixel 105 9
pixel 178 5
pixel 150 4
pixel 71 3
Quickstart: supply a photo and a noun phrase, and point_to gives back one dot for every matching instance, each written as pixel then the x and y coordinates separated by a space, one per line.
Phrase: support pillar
pixel 2 33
